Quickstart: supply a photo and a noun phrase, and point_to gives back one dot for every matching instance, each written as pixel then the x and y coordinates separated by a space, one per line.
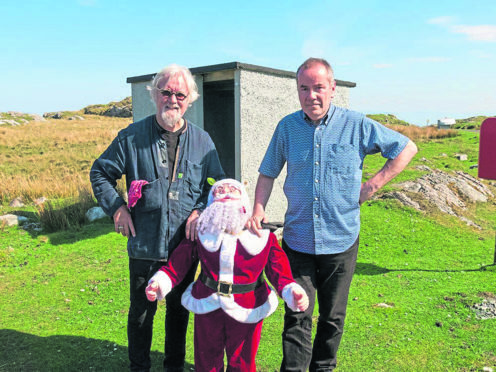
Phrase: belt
pixel 226 288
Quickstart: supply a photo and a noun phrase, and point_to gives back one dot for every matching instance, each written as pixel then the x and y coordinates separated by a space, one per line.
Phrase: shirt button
pixel 316 198
pixel 316 181
pixel 316 216
pixel 316 163
pixel 317 145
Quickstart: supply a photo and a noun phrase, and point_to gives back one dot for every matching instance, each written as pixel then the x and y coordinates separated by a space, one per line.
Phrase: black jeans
pixel 328 276
pixel 142 311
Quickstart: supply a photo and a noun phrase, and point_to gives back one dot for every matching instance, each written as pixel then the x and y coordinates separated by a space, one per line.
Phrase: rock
pixel 40 201
pixel 445 191
pixel 404 199
pixel 423 168
pixel 95 213
pixel 121 112
pixel 462 157
pixel 12 220
pixel 384 305
pixel 16 203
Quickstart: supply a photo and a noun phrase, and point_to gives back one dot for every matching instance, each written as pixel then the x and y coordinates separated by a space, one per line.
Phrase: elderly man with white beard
pixel 167 162
pixel 230 298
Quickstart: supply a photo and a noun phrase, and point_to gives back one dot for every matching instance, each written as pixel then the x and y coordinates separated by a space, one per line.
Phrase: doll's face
pixel 226 192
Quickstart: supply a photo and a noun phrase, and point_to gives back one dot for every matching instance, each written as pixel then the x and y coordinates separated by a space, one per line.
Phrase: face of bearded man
pixel 223 217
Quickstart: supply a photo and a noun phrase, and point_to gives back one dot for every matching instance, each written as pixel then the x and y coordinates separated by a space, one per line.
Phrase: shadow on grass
pixel 86 232
pixel 371 269
pixel 26 352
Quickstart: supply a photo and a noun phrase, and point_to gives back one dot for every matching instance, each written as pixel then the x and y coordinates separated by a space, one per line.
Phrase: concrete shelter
pixel 239 106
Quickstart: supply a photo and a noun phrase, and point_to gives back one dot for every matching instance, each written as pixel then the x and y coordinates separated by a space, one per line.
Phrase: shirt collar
pixel 324 121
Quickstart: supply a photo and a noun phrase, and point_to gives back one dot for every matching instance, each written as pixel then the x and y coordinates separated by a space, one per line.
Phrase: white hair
pixel 169 72
pixel 229 217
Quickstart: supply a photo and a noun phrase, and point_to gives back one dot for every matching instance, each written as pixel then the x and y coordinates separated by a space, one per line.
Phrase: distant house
pixel 445 123
pixel 239 106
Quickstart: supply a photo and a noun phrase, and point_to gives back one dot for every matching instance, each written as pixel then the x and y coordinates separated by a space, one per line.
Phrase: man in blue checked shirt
pixel 324 147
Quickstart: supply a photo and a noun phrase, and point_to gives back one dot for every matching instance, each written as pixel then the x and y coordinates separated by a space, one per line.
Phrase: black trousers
pixel 328 277
pixel 142 311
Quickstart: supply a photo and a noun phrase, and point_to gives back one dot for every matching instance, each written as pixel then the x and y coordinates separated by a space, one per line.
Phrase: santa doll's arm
pixel 173 272
pixel 278 271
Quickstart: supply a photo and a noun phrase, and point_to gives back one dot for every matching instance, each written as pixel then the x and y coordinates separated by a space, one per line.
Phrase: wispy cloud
pixel 477 33
pixel 429 59
pixel 443 20
pixel 473 33
pixel 382 65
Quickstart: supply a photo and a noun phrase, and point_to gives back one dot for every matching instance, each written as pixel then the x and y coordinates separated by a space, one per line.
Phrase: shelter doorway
pixel 219 121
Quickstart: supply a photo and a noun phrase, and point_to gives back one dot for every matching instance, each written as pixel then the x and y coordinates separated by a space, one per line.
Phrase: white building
pixel 445 123
pixel 240 106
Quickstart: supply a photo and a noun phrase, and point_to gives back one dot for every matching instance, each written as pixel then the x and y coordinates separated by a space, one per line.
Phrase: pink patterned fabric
pixel 135 192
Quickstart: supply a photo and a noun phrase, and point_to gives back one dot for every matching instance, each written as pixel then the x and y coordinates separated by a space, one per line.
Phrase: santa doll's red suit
pixel 230 298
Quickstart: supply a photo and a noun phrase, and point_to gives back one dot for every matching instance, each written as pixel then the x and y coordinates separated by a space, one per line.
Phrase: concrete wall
pixel 143 105
pixel 264 100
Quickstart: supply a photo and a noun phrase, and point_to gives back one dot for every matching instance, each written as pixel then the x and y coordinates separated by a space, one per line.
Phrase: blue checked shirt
pixel 324 173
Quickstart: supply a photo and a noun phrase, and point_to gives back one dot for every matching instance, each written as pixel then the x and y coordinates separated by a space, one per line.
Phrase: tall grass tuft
pixel 423 133
pixel 67 214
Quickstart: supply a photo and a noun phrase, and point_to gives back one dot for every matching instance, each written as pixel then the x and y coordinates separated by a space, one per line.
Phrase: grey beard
pixel 170 119
pixel 222 217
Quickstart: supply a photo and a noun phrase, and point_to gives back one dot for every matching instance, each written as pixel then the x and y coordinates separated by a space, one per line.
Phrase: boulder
pixel 95 213
pixel 12 220
pixel 16 203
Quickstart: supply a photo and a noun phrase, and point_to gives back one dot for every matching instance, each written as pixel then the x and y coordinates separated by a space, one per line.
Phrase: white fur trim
pixel 211 242
pixel 287 295
pixel 244 315
pixel 164 284
pixel 253 243
pixel 230 307
pixel 226 258
pixel 202 305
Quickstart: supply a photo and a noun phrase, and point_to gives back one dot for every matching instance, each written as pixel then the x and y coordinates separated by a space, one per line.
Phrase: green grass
pixel 65 299
pixel 65 294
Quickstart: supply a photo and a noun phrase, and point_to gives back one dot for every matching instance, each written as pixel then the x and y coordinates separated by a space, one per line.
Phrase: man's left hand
pixel 191 223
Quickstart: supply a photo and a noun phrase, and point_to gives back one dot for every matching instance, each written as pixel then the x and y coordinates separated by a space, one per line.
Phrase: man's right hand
pixel 123 223
pixel 254 224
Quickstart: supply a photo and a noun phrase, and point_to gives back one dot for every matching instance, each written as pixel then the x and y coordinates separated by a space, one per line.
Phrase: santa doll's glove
pixel 158 286
pixel 295 297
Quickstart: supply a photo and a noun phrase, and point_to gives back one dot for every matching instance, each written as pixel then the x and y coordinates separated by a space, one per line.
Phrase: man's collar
pixel 324 121
pixel 162 130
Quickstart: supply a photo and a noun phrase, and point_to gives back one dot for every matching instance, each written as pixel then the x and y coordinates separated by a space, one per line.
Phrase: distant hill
pixel 473 122
pixel 122 109
pixel 388 119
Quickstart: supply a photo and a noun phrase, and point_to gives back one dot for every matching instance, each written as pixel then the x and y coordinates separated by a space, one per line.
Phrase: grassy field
pixel 65 294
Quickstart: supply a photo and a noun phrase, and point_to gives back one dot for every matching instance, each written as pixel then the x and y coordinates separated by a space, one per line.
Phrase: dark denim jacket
pixel 159 217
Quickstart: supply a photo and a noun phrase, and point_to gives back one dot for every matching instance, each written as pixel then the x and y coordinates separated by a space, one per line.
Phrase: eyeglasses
pixel 225 189
pixel 169 93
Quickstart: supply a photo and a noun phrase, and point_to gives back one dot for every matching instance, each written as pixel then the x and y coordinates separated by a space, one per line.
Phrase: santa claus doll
pixel 231 297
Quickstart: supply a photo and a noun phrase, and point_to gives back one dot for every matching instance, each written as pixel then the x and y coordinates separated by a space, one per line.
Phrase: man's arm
pixel 391 169
pixel 262 195
pixel 214 171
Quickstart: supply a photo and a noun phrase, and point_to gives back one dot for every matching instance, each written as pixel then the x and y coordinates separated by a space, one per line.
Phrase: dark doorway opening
pixel 218 121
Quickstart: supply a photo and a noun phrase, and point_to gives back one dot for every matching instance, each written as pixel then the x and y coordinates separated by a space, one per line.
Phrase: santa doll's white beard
pixel 223 217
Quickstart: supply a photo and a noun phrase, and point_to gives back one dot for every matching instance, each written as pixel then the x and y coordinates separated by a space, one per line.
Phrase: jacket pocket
pixel 151 197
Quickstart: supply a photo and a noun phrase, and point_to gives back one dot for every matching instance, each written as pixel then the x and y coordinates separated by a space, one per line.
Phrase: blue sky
pixel 419 60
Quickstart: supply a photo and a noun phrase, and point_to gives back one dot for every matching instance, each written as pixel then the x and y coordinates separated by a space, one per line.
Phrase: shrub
pixel 66 214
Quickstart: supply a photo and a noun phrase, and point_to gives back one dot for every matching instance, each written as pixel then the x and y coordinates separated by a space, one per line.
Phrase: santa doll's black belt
pixel 226 288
